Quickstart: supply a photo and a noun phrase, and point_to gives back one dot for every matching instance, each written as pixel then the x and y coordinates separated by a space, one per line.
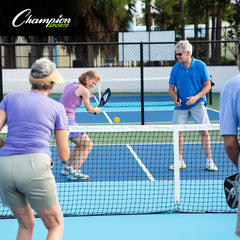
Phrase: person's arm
pixel 62 144
pixel 173 95
pixel 82 91
pixel 3 120
pixel 204 91
pixel 232 148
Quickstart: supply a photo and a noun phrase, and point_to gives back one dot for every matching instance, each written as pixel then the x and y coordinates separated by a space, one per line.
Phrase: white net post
pixel 176 166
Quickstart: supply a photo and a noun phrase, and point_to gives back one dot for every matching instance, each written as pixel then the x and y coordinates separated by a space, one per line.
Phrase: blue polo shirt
pixel 190 81
pixel 229 110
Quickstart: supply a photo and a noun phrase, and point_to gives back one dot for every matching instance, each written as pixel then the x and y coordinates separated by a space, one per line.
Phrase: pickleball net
pixel 128 170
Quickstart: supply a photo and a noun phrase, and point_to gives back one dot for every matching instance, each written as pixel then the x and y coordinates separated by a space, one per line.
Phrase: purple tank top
pixel 69 100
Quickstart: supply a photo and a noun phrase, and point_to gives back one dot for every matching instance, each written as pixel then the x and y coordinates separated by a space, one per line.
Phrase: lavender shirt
pixel 31 117
pixel 69 99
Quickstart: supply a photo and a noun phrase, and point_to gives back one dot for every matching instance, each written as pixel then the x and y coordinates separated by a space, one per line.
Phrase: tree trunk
pixel 148 16
pixel 196 49
pixel 213 38
pixel 218 34
pixel 183 20
pixel 207 34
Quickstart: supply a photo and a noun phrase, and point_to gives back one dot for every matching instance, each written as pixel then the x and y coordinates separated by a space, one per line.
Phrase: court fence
pixel 139 69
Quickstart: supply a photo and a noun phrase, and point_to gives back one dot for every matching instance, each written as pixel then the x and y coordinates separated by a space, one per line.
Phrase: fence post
pixel 142 83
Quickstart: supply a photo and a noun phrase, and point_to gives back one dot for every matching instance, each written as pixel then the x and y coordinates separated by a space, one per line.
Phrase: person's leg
pixel 180 117
pixel 53 220
pixel 200 116
pixel 206 144
pixel 78 156
pixel 181 146
pixel 81 151
pixel 25 218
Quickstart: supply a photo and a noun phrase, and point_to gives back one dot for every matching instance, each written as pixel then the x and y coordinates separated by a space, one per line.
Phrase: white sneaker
pixel 65 171
pixel 182 165
pixel 210 165
pixel 77 175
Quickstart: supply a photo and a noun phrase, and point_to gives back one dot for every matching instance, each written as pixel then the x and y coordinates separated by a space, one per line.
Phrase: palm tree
pixel 88 18
pixel 195 12
pixel 148 15
pixel 98 21
pixel 221 8
pixel 165 15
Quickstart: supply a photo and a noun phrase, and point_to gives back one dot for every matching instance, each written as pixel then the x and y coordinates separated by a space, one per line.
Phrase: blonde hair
pixel 91 74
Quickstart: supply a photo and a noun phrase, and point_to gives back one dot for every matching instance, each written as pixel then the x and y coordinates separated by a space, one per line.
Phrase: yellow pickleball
pixel 116 119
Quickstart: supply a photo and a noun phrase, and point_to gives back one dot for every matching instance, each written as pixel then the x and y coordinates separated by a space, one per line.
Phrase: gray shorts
pixel 27 179
pixel 198 113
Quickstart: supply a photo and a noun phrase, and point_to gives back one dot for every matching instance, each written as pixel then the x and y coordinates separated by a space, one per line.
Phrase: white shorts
pixel 198 113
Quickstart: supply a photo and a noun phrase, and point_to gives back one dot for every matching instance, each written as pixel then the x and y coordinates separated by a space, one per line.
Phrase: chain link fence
pixel 137 73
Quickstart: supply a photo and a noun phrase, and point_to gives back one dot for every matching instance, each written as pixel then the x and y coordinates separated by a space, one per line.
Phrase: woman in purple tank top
pixel 73 96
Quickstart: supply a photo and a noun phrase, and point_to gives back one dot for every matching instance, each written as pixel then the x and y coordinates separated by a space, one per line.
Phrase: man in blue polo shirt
pixel 192 80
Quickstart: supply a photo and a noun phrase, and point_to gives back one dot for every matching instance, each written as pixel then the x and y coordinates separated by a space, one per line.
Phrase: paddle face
pixel 231 184
pixel 105 97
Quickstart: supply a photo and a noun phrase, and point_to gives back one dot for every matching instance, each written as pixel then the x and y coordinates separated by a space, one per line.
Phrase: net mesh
pixel 128 170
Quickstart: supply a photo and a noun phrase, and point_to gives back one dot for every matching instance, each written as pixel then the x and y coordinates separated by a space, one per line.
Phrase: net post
pixel 142 84
pixel 176 165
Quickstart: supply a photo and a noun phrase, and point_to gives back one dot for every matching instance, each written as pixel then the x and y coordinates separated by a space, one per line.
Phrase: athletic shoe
pixel 182 165
pixel 211 166
pixel 77 175
pixel 65 171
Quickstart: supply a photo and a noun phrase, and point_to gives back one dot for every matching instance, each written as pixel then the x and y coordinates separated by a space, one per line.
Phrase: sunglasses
pixel 178 54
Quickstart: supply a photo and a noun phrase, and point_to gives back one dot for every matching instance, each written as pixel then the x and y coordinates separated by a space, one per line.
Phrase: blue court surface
pixel 110 172
pixel 118 157
pixel 166 226
pixel 119 169
pixel 157 109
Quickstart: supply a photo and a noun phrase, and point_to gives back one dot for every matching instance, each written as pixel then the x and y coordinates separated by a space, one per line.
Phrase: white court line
pixel 96 100
pixel 132 151
pixel 214 110
pixel 141 163
pixel 106 115
pixel 108 118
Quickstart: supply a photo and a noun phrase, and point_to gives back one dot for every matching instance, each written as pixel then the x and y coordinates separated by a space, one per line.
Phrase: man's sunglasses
pixel 178 54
